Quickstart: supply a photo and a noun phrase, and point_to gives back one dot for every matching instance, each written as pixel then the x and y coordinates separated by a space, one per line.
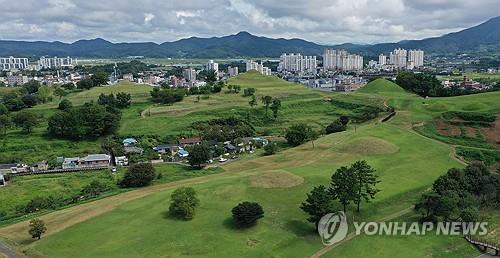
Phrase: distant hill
pixel 483 37
pixel 381 85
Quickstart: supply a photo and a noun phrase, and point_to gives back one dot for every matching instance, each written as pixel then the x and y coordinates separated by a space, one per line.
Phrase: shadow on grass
pixel 300 228
pixel 168 216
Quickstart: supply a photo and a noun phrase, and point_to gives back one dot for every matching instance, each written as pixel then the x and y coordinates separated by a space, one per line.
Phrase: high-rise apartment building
pixel 297 63
pixel 233 71
pixel 56 62
pixel 189 74
pixel 341 60
pixel 382 59
pixel 398 58
pixel 213 66
pixel 9 63
pixel 251 65
pixel 417 57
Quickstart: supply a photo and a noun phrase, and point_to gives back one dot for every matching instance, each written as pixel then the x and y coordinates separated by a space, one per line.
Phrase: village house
pixel 90 161
pixel 189 141
pixel 133 149
pixel 121 161
pixel 170 149
pixel 3 182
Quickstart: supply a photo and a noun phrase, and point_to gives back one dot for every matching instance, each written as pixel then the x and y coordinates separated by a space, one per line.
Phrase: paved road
pixel 484 256
pixel 7 251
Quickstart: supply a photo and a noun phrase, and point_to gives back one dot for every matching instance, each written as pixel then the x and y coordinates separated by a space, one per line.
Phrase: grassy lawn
pixel 136 223
pixel 21 190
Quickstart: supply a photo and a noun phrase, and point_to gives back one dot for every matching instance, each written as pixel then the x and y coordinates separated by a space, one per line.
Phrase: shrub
pixel 270 148
pixel 335 127
pixel 246 214
pixel 298 134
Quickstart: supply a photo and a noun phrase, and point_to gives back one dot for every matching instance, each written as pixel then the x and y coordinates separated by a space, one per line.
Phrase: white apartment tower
pixel 251 65
pixel 213 66
pixel 297 63
pixel 189 74
pixel 417 57
pixel 233 71
pixel 382 59
pixel 56 62
pixel 398 58
pixel 9 63
pixel 341 60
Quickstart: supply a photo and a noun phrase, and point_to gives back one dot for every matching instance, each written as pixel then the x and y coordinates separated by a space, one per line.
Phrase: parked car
pixel 222 160
pixel 234 157
pixel 113 169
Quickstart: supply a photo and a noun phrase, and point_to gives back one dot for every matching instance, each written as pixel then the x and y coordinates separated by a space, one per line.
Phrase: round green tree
pixel 183 203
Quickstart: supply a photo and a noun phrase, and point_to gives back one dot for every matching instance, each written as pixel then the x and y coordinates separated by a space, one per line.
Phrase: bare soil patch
pixel 276 179
pixel 369 146
pixel 447 129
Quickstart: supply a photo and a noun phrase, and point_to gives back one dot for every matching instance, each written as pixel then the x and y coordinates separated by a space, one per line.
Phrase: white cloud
pixel 329 22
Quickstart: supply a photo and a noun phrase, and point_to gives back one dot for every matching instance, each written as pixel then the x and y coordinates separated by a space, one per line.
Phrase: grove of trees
pixel 138 175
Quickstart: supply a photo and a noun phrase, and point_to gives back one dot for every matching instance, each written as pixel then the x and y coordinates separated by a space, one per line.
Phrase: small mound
pixel 369 146
pixel 381 85
pixel 278 179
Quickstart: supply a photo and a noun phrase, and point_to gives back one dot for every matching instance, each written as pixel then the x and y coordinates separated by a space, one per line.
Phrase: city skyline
pixel 359 21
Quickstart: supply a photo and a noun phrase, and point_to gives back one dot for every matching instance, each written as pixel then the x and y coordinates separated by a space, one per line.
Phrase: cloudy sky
pixel 321 21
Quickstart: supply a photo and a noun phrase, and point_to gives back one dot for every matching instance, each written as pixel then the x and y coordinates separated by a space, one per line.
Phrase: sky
pixel 320 21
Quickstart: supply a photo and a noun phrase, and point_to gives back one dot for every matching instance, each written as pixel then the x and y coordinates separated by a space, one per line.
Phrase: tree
pixel 85 84
pixel 246 214
pixel 198 155
pixel 366 182
pixel 65 105
pixel 253 102
pixel 107 100
pixel 69 86
pixel 319 202
pixel 344 120
pixel 44 93
pixel 183 203
pixel 94 189
pixel 37 228
pixel 60 92
pixel 267 100
pixel 237 88
pixel 247 92
pixel 32 86
pixel 270 148
pixel 123 100
pixel 138 175
pixel 335 126
pixel 3 109
pixel 25 120
pixel 211 76
pixel 29 100
pixel 99 78
pixel 343 186
pixel 298 134
pixel 5 123
pixel 275 106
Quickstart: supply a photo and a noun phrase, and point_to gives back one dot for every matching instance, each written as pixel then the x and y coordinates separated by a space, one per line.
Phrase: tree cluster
pixel 338 125
pixel 138 175
pixel 122 100
pixel 353 184
pixel 298 134
pixel 88 121
pixel 460 194
pixel 167 96
pixel 224 129
pixel 96 80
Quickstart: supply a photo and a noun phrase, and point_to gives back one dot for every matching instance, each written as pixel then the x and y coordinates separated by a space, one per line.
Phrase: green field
pixel 136 223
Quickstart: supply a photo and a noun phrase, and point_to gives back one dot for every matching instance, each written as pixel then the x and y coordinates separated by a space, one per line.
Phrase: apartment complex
pixel 401 58
pixel 9 63
pixel 251 65
pixel 297 63
pixel 341 60
pixel 213 66
pixel 233 71
pixel 189 74
pixel 56 62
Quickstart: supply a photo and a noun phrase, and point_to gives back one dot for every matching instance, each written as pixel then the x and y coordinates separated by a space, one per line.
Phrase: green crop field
pixel 136 223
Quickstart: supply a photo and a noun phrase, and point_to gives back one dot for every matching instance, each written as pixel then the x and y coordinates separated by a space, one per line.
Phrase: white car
pixel 222 160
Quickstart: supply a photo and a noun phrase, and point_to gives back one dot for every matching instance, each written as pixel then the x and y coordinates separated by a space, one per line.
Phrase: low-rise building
pixel 14 80
pixel 90 161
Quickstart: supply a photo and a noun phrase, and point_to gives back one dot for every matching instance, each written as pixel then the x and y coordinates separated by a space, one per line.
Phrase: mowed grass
pixel 283 232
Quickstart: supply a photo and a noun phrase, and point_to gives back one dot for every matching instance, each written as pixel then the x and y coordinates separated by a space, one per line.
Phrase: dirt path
pixel 7 251
pixel 352 235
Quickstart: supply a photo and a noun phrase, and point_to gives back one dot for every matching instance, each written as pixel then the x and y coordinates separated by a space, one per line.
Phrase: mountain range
pixel 483 37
